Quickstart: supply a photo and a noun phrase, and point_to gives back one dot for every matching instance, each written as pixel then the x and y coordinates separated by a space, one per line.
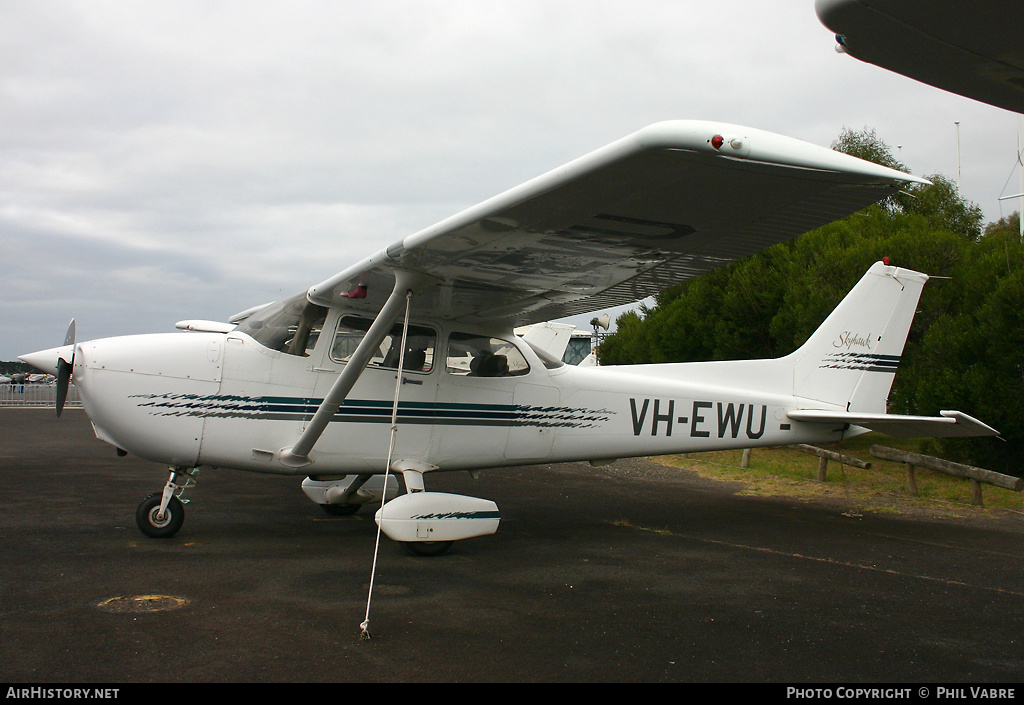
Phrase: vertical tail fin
pixel 850 361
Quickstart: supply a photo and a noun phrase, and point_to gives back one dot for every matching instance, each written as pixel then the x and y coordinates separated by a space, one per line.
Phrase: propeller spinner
pixel 58 361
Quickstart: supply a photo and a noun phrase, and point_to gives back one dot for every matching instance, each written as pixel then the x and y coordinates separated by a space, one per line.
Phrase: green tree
pixel 972 357
pixel 627 345
pixel 1007 224
pixel 867 145
pixel 941 201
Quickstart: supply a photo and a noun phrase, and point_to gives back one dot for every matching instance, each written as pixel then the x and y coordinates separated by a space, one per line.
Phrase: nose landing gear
pixel 160 515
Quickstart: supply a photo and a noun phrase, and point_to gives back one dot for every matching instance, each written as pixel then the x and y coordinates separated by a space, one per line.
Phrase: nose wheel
pixel 157 525
pixel 161 514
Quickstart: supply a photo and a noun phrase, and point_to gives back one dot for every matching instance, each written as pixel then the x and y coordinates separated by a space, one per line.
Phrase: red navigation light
pixel 717 141
pixel 885 261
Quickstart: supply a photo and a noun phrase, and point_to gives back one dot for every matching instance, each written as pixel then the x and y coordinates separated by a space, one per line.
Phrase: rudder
pixel 851 359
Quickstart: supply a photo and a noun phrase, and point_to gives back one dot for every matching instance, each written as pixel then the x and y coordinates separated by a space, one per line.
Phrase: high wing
pixel 973 49
pixel 670 202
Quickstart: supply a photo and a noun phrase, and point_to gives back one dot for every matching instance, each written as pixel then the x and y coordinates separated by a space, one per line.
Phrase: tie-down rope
pixel 365 626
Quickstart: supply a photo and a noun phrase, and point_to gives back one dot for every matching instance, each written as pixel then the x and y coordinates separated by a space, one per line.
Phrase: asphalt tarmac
pixel 632 572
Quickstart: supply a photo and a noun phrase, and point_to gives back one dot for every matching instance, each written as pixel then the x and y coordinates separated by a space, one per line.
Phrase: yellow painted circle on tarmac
pixel 136 604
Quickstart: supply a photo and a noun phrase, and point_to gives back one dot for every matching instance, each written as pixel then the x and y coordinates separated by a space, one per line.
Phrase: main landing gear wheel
pixel 154 526
pixel 341 510
pixel 427 549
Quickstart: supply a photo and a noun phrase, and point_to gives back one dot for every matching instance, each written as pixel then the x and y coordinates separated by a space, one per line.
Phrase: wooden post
pixel 832 455
pixel 977 476
pixel 976 493
pixel 990 477
pixel 822 467
pixel 911 480
pixel 745 462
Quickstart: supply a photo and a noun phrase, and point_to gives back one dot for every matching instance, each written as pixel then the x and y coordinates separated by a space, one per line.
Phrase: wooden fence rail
pixel 823 457
pixel 826 455
pixel 977 476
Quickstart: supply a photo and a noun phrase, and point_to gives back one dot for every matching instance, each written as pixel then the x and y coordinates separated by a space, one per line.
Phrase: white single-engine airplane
pixel 315 385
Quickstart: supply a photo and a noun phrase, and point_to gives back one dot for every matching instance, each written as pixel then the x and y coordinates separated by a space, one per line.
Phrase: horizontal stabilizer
pixel 948 424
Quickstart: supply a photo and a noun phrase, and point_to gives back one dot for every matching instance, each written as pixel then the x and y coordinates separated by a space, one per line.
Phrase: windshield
pixel 291 325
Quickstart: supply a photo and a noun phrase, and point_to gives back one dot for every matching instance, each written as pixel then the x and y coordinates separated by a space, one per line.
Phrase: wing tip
pixel 732 141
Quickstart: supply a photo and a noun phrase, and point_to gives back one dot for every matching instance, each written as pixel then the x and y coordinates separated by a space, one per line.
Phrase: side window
pixel 481 356
pixel 419 345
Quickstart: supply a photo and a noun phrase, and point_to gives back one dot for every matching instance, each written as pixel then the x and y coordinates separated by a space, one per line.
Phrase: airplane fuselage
pixel 225 400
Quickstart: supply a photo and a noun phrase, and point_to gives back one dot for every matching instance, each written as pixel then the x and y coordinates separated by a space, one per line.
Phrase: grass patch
pixel 786 472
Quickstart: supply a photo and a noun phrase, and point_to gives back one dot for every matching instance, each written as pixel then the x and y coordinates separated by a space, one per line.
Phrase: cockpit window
pixel 419 345
pixel 482 356
pixel 291 325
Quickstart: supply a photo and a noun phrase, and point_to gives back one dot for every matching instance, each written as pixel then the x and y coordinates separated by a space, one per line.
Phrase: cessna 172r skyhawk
pixel 406 363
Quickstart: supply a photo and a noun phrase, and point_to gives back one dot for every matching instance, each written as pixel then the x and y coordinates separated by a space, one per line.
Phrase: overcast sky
pixel 170 160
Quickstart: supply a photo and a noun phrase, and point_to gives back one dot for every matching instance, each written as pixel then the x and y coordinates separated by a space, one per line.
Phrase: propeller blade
pixel 63 379
pixel 64 368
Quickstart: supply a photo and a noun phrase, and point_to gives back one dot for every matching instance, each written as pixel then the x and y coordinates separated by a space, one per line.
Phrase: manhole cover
pixel 134 604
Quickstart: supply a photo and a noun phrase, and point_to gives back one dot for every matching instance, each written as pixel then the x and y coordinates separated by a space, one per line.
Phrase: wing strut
pixel 365 626
pixel 298 455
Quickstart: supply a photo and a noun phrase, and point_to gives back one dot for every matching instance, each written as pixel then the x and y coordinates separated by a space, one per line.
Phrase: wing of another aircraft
pixel 553 338
pixel 973 49
pixel 670 202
